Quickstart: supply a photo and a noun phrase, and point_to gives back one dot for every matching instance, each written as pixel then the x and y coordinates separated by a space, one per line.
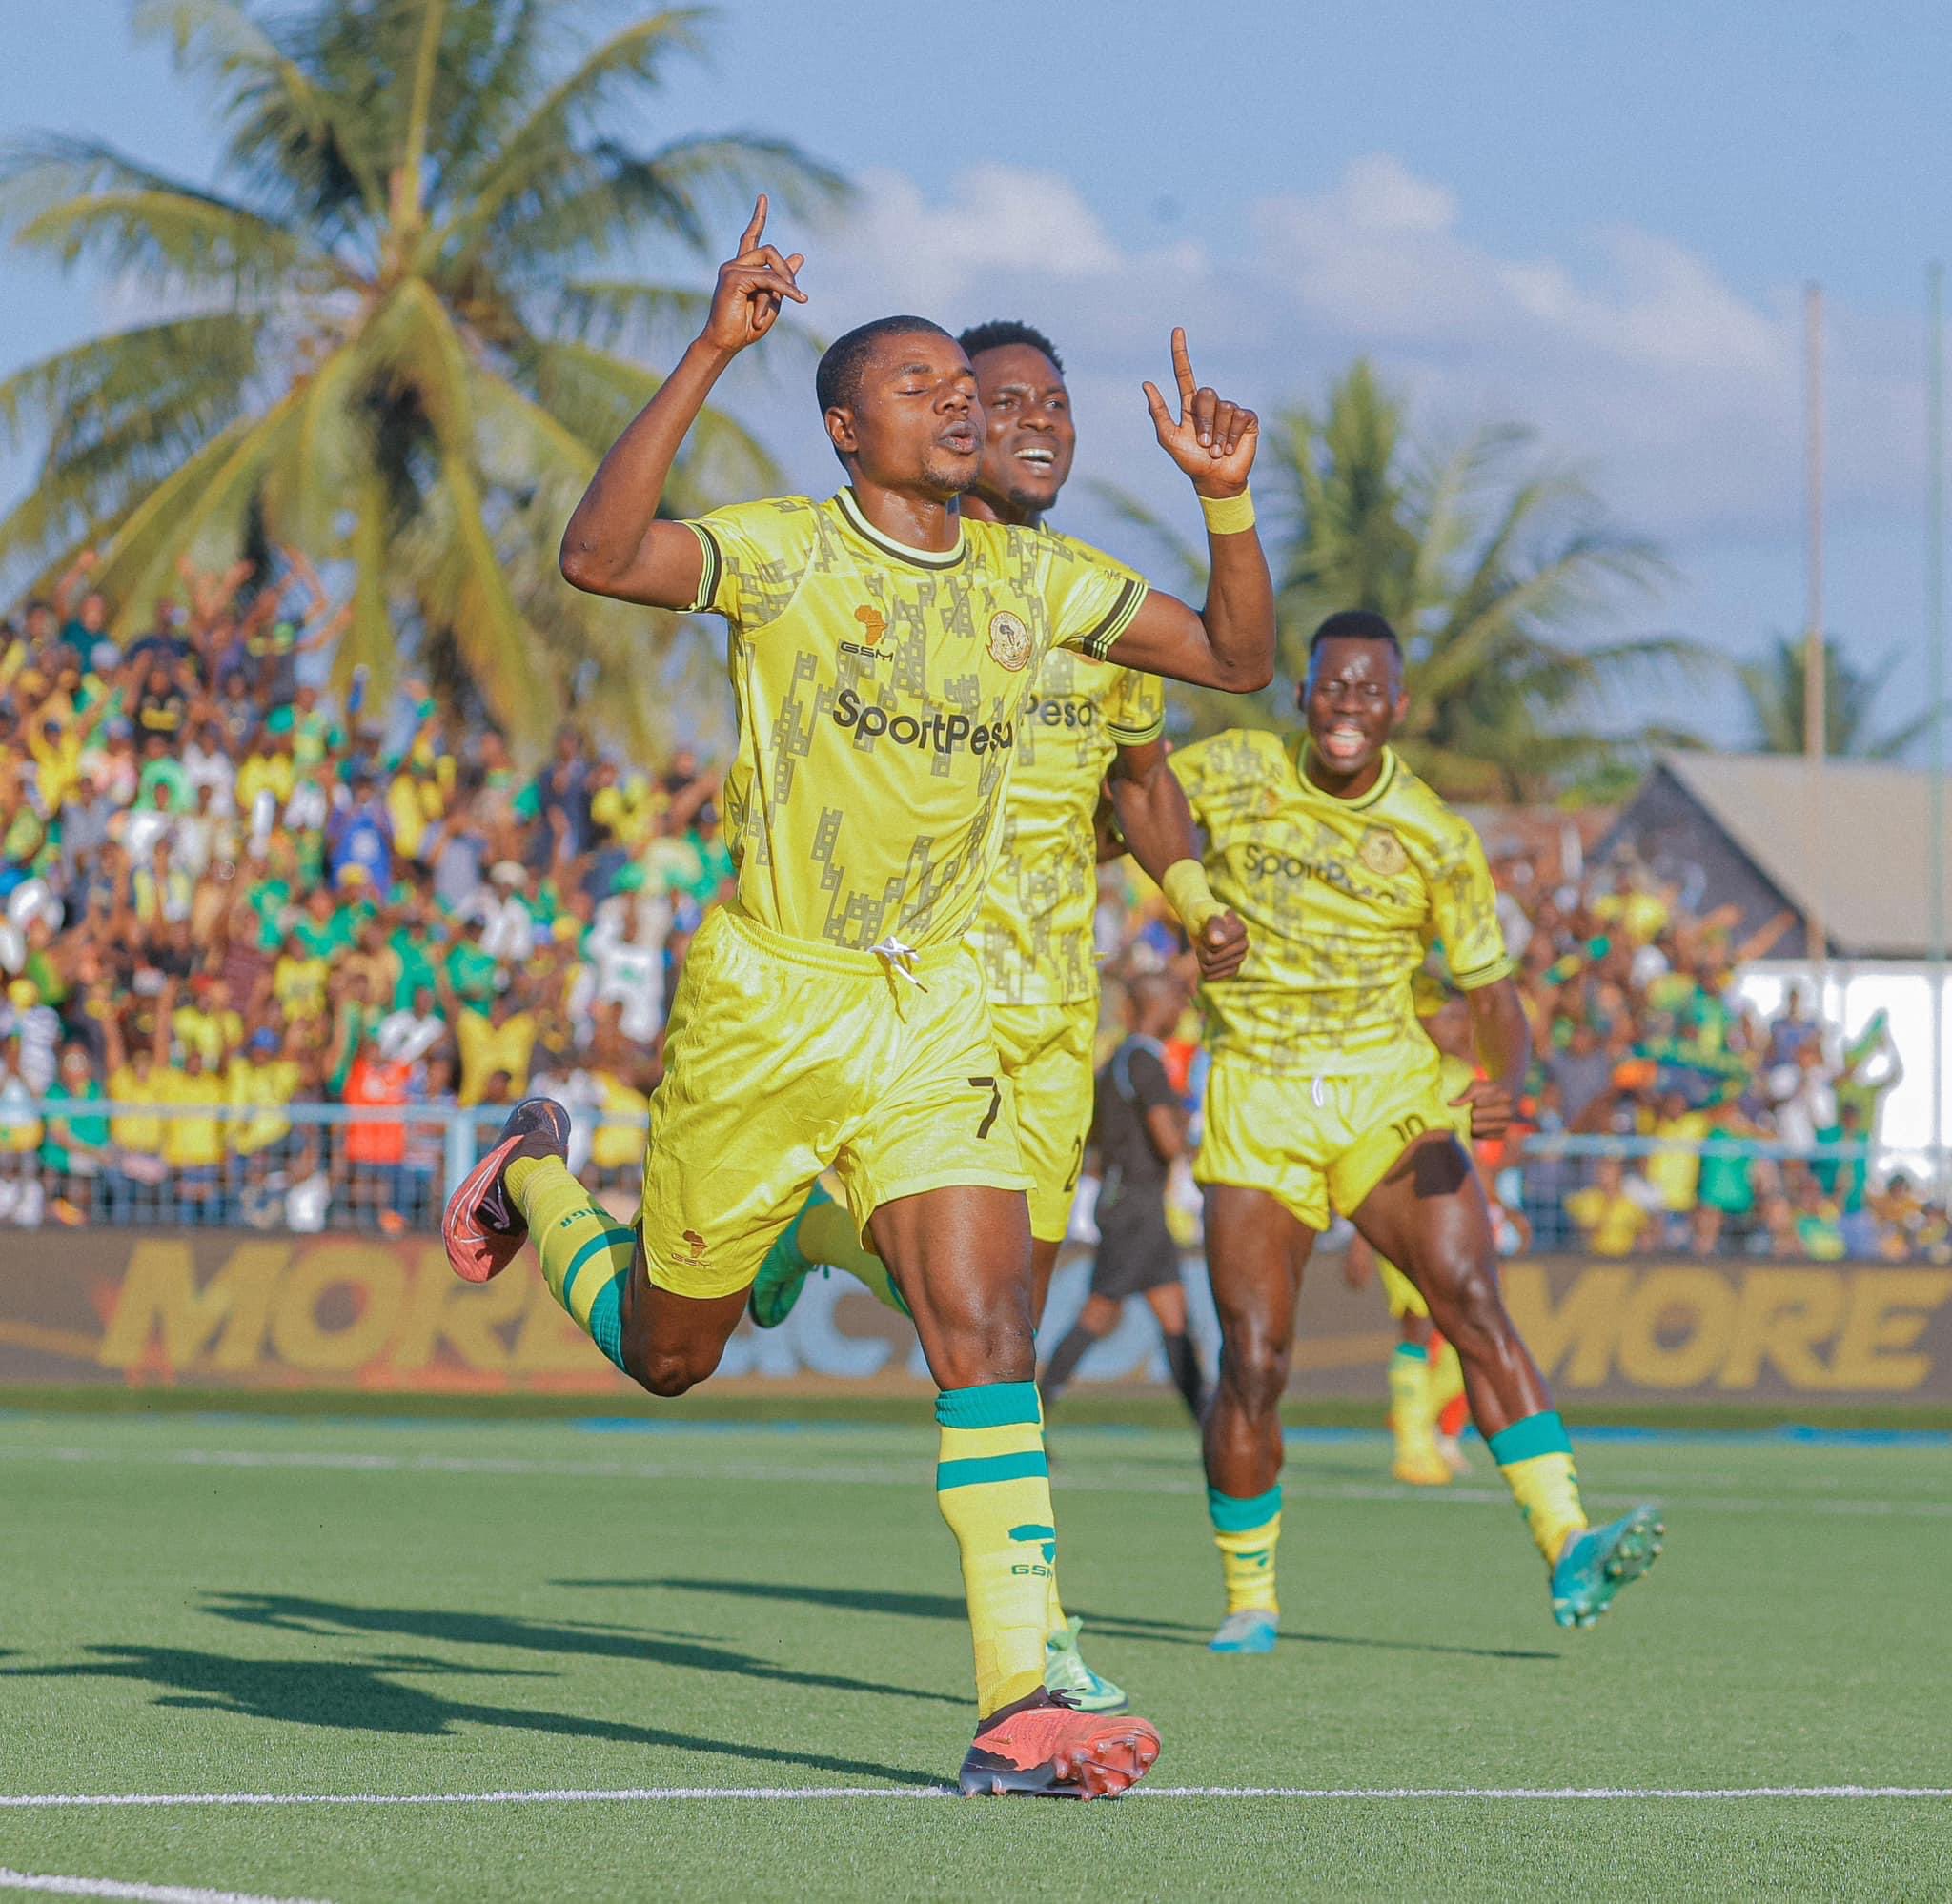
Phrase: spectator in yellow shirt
pixel 503 1040
pixel 192 1145
pixel 1676 1173
pixel 1611 1218
pixel 207 1023
pixel 301 981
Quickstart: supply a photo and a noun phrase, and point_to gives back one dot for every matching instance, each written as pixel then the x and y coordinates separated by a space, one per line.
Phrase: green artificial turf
pixel 229 1604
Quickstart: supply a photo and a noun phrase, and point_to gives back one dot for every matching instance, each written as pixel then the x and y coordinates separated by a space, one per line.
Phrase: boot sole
pixel 474 1254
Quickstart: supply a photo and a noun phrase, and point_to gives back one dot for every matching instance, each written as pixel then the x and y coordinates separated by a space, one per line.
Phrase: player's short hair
pixel 837 381
pixel 1354 624
pixel 1001 333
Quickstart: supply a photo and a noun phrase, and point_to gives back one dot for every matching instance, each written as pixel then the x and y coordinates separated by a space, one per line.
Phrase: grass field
pixel 230 1604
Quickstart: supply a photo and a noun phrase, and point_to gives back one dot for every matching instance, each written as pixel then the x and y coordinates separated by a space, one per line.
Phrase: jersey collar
pixel 1297 752
pixel 935 561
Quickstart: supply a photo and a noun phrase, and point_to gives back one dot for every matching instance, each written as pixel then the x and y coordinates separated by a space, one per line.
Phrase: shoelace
pixel 900 959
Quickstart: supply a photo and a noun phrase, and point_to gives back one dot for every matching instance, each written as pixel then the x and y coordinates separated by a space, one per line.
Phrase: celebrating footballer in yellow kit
pixel 1088 724
pixel 1325 1093
pixel 832 1015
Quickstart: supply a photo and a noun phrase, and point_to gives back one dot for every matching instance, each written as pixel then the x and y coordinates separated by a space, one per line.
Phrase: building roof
pixel 1863 860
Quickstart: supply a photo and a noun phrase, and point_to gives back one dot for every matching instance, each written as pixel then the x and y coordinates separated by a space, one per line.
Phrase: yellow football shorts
pixel 783 1058
pixel 1046 1051
pixel 1316 1142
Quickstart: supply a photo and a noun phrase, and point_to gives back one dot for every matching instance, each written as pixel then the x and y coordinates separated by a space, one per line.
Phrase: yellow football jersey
pixel 1035 931
pixel 1341 898
pixel 881 694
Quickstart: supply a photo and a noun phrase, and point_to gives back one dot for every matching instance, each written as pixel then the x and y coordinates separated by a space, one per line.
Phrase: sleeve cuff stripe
pixel 1485 975
pixel 714 568
pixel 1133 736
pixel 1098 642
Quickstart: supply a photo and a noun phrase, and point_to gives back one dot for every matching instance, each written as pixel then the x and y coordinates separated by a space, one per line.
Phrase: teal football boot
pixel 783 1274
pixel 1250 1631
pixel 1065 1672
pixel 1593 1566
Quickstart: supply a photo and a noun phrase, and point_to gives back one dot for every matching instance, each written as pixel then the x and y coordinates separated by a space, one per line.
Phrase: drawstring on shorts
pixel 899 957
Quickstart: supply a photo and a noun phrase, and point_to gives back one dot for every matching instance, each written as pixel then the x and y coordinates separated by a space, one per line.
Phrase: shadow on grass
pixel 1109 1625
pixel 359 1697
pixel 292 1612
pixel 840 1599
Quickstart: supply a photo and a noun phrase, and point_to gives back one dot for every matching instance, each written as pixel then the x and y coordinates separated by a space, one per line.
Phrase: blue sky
pixel 1593 221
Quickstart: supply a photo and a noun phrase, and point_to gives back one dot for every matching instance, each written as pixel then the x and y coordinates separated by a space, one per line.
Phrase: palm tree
pixel 1774 687
pixel 392 334
pixel 1488 570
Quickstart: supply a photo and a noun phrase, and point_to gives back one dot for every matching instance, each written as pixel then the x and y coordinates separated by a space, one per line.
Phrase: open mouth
pixel 1343 742
pixel 960 437
pixel 1039 457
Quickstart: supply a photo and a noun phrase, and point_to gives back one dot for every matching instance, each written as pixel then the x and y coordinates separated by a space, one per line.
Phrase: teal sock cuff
pixel 606 1321
pixel 1412 1352
pixel 1525 1441
pixel 1233 1516
pixel 994 1405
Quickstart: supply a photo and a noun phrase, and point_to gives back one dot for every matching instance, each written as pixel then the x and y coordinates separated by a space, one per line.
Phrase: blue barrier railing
pixel 313 1165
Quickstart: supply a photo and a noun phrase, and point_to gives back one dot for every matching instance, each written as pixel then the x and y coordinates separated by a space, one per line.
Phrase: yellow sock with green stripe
pixel 1247 1532
pixel 1412 1418
pixel 993 1486
pixel 1535 1458
pixel 826 1234
pixel 586 1253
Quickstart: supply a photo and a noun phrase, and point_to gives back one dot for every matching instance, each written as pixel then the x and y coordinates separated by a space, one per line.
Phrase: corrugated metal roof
pixel 1863 861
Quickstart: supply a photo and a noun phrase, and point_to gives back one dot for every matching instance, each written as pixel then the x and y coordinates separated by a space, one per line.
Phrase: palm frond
pixel 526 166
pixel 295 136
pixel 210 494
pixel 1184 560
pixel 78 198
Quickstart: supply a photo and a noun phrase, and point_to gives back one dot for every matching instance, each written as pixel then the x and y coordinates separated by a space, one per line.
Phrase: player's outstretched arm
pixel 1503 1038
pixel 1158 828
pixel 1230 643
pixel 614 546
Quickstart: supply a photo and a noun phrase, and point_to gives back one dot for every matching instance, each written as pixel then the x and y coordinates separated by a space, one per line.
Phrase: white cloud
pixel 1626 352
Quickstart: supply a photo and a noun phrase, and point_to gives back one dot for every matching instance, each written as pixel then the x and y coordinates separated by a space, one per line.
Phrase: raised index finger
pixel 754 226
pixel 1182 367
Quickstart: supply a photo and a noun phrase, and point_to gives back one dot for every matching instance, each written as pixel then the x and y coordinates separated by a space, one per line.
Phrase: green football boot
pixel 1065 1672
pixel 1593 1566
pixel 783 1274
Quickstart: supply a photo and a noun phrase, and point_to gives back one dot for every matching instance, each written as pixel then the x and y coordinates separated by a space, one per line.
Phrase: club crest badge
pixel 1382 853
pixel 1009 642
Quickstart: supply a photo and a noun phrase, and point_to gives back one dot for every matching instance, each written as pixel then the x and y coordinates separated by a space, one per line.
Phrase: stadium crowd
pixel 227 894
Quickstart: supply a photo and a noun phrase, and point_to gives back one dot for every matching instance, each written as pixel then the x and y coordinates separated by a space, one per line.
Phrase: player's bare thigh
pixel 1257 1252
pixel 961 1257
pixel 1429 1216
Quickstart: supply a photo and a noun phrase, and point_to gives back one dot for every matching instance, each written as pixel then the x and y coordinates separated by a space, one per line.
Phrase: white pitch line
pixel 148 1894
pixel 806 1794
pixel 770 1473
